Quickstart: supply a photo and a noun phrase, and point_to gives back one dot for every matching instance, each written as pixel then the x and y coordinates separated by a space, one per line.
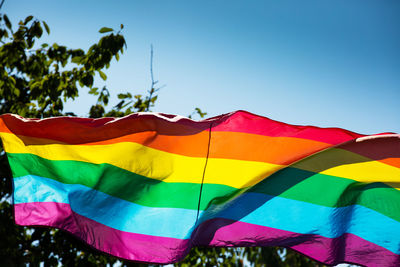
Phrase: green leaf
pixel 11 80
pixel 37 29
pixel 87 80
pixel 7 21
pixel 76 60
pixel 16 92
pixel 153 100
pixel 27 19
pixel 46 27
pixel 105 29
pixel 93 91
pixel 102 75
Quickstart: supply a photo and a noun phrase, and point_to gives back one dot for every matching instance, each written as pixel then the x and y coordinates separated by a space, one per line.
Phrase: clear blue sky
pixel 324 63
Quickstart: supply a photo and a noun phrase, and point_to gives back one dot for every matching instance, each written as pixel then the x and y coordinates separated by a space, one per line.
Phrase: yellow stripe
pixel 372 171
pixel 238 173
pixel 152 163
pixel 342 163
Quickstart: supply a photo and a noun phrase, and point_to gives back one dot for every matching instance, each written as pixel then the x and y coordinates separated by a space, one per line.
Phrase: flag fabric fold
pixel 148 187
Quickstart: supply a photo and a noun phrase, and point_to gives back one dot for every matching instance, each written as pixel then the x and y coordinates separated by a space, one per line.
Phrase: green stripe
pixel 291 183
pixel 331 191
pixel 118 182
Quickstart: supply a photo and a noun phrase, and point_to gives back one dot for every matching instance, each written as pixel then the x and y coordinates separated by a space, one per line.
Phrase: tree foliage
pixel 36 79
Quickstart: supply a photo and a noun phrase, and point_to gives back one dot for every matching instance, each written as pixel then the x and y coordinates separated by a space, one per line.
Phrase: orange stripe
pixel 277 150
pixel 3 127
pixel 392 161
pixel 229 145
pixel 188 145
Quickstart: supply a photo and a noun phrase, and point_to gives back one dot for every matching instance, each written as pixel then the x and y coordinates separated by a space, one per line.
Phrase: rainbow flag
pixel 148 187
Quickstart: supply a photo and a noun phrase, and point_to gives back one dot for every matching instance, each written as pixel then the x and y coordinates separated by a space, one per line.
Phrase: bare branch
pixel 153 88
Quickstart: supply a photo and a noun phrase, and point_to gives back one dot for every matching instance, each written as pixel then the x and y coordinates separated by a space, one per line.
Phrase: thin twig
pixel 153 88
pixel 151 67
pixel 153 83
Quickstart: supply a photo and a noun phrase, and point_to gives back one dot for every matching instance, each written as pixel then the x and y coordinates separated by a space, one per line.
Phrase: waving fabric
pixel 148 187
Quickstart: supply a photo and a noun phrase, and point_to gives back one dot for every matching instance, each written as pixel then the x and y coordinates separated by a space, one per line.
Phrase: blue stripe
pixel 108 210
pixel 255 208
pixel 307 218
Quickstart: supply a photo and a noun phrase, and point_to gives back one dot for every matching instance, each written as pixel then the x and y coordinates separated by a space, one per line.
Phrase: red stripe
pixel 375 148
pixel 242 121
pixel 74 130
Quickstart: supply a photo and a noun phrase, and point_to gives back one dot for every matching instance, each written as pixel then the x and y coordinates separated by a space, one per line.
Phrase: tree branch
pixel 153 82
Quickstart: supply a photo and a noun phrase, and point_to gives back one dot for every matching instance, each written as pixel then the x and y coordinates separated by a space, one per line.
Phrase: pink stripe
pixel 243 121
pixel 346 248
pixel 121 244
pixel 217 232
